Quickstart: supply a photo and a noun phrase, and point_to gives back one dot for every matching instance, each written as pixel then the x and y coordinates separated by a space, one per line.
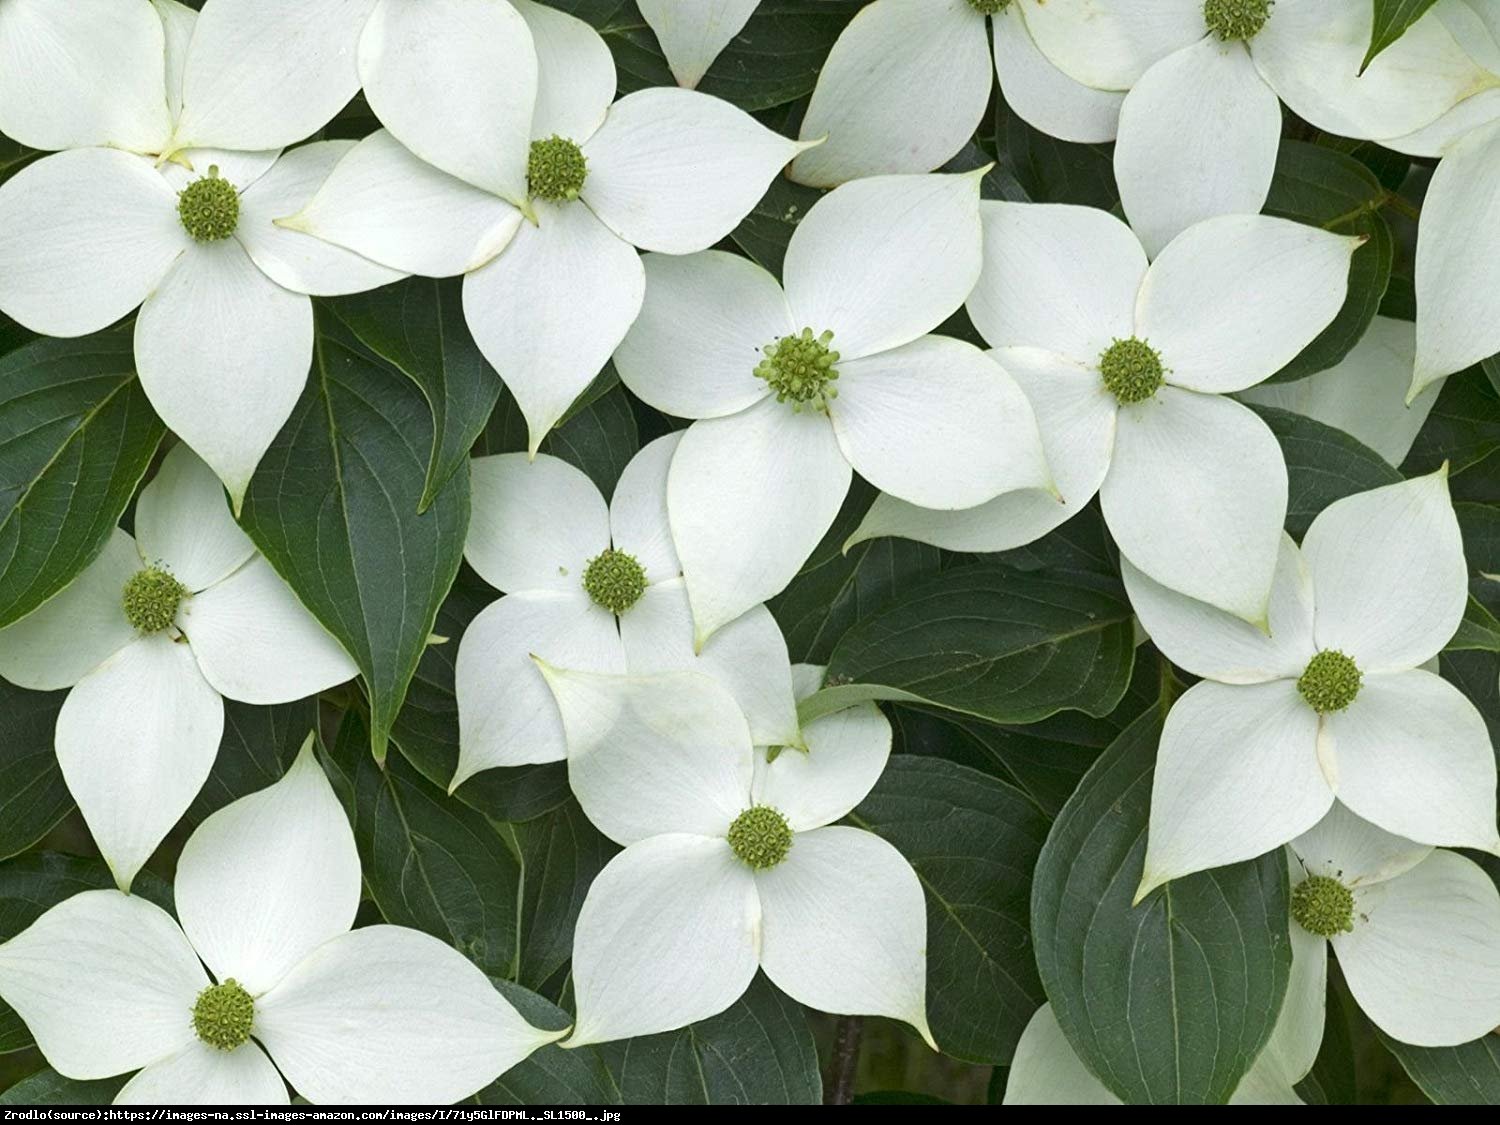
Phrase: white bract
pixel 730 860
pixel 794 389
pixel 149 637
pixel 594 588
pixel 692 35
pixel 1128 368
pixel 266 890
pixel 225 333
pixel 491 115
pixel 1416 930
pixel 907 83
pixel 1200 127
pixel 1334 703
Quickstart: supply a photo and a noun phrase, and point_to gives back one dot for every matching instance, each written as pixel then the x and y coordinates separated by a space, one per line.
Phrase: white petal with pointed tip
pixel 1043 96
pixel 692 35
pixel 845 927
pixel 136 739
pixel 264 73
pixel 105 982
pixel 576 73
pixel 454 81
pixel 1389 574
pixel 384 203
pixel 78 628
pixel 88 72
pixel 658 754
pixel 885 260
pixel 96 225
pixel 675 171
pixel 268 878
pixel 1196 496
pixel 904 87
pixel 1198 138
pixel 535 524
pixel 702 330
pixel 1109 44
pixel 936 422
pixel 548 312
pixel 1438 138
pixel 1045 1070
pixel 750 496
pixel 1236 775
pixel 669 934
pixel 638 520
pixel 1355 851
pixel 182 519
pixel 388 1014
pixel 291 258
pixel 1284 281
pixel 1056 276
pixel 223 354
pixel 1295 1040
pixel 1209 642
pixel 1414 757
pixel 506 715
pixel 204 1075
pixel 845 756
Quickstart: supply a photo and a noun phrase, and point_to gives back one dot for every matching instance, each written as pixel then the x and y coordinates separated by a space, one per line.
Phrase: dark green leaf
pixel 1332 1078
pixel 764 233
pixel 1392 18
pixel 76 436
pixel 1478 630
pixel 1172 1000
pixel 1323 464
pixel 1491 368
pixel 47 1087
pixel 1468 1074
pixel 33 795
pixel 334 508
pixel 258 746
pixel 13 157
pixel 1046 168
pixel 973 842
pixel 1464 430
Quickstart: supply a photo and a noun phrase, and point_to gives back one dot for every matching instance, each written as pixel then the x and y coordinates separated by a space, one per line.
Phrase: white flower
pixel 225 333
pixel 907 83
pixel 149 637
pixel 477 132
pixel 1333 703
pixel 1128 368
pixel 1416 930
pixel 794 388
pixel 1201 125
pixel 266 891
pixel 692 35
pixel 592 588
pixel 730 860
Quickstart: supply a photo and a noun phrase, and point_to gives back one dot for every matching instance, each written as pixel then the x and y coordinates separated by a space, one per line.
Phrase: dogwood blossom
pixel 794 389
pixel 692 35
pixel 1333 703
pixel 149 637
pixel 266 892
pixel 731 860
pixel 594 588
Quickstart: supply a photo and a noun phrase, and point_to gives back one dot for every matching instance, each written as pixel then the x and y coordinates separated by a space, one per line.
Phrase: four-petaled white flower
pixel 225 333
pixel 593 588
pixel 489 114
pixel 796 389
pixel 149 637
pixel 1128 368
pixel 266 891
pixel 731 860
pixel 1334 703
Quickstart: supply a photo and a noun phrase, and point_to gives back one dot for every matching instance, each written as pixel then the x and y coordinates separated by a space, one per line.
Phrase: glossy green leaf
pixel 764 233
pixel 1333 1079
pixel 1463 430
pixel 47 1087
pixel 33 794
pixel 1468 1074
pixel 259 745
pixel 1323 464
pixel 1046 168
pixel 1392 18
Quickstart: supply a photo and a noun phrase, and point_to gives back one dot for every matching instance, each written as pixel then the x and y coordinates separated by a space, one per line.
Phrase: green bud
pixel 989 7
pixel 800 369
pixel 1322 905
pixel 1236 19
pixel 151 599
pixel 1131 370
pixel 223 1014
pixel 556 169
pixel 761 837
pixel 1330 681
pixel 209 207
pixel 615 580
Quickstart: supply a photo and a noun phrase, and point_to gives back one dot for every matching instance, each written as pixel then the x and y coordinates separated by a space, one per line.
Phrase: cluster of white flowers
pixel 631 638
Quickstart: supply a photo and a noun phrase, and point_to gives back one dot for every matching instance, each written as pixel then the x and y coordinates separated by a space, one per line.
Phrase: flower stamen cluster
pixel 615 580
pixel 151 599
pixel 1330 682
pixel 761 837
pixel 1236 19
pixel 800 369
pixel 1131 370
pixel 556 169
pixel 209 207
pixel 1324 906
pixel 223 1014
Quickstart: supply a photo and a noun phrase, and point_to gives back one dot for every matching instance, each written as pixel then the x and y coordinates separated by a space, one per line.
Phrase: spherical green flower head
pixel 151 599
pixel 1131 370
pixel 1330 682
pixel 1236 19
pixel 989 7
pixel 615 580
pixel 223 1014
pixel 209 207
pixel 556 169
pixel 1322 905
pixel 800 369
pixel 761 837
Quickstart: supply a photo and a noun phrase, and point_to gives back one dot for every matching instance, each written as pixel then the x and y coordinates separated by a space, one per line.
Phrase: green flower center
pixel 1236 19
pixel 1329 682
pixel 615 580
pixel 556 169
pixel 800 369
pixel 761 837
pixel 1131 370
pixel 223 1014
pixel 209 207
pixel 989 7
pixel 151 599
pixel 1323 906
